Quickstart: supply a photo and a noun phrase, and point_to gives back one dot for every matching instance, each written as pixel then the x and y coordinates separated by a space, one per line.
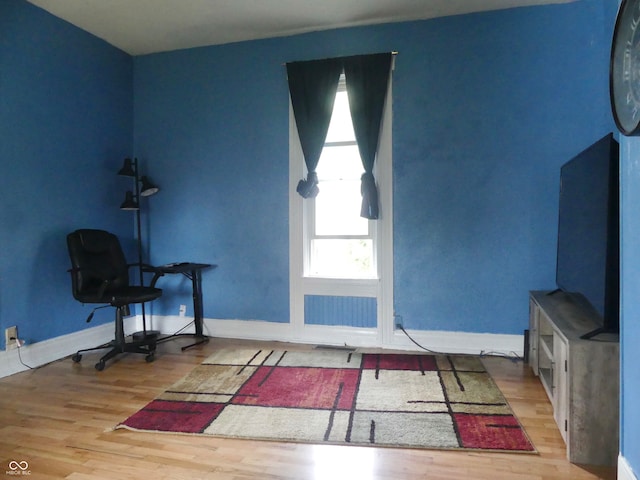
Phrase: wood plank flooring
pixel 58 419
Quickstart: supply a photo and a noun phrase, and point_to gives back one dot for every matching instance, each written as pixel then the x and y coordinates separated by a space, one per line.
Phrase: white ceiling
pixel 147 26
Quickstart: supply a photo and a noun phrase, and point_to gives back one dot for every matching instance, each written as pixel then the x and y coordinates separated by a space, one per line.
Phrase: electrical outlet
pixel 183 310
pixel 11 333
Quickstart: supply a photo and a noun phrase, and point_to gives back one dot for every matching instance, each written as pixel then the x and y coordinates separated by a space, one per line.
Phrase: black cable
pixel 420 346
pixel 20 355
pixel 20 358
pixel 177 333
pixel 513 356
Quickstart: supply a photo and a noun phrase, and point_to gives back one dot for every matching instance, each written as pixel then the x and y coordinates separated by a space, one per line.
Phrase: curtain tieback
pixel 369 196
pixel 368 183
pixel 308 188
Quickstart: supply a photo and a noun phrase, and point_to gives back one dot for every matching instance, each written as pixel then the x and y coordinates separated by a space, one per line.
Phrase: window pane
pixel 342 258
pixel 337 206
pixel 341 127
pixel 340 162
pixel 338 209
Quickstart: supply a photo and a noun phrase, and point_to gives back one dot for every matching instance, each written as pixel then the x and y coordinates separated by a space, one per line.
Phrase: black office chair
pixel 100 274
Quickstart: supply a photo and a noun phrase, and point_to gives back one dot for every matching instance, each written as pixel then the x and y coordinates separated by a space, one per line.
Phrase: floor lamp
pixel 142 188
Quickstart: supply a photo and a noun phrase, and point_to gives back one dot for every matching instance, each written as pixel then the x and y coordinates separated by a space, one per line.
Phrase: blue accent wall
pixel 483 118
pixel 211 128
pixel 486 108
pixel 65 118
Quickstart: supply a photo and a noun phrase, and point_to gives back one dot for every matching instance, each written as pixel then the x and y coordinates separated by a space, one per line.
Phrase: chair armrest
pixel 91 271
pixel 105 281
pixel 145 267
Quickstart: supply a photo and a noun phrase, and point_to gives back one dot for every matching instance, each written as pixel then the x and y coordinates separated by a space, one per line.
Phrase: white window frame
pixel 309 223
pixel 381 287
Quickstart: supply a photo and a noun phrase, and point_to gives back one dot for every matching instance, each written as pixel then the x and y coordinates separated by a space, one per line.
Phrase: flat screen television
pixel 588 261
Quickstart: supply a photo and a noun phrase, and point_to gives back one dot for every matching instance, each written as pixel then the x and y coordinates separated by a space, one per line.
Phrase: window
pixel 333 251
pixel 340 243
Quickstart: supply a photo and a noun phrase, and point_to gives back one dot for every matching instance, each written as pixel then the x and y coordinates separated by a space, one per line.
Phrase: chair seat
pixel 131 294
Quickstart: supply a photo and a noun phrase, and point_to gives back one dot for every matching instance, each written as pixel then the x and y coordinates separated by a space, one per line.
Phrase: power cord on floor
pixel 20 343
pixel 20 358
pixel 176 333
pixel 400 327
pixel 513 356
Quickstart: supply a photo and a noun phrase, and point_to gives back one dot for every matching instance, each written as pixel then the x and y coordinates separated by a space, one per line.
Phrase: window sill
pixel 349 287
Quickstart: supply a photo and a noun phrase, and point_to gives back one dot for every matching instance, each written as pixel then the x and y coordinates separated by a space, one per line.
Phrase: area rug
pixel 339 397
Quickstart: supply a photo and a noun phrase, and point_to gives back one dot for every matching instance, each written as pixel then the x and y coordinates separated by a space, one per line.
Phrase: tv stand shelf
pixel 580 377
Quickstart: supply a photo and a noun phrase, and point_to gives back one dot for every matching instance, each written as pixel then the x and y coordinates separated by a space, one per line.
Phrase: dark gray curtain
pixel 313 87
pixel 367 78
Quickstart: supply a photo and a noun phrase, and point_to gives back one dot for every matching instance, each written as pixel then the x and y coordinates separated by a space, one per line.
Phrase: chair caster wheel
pixel 150 357
pixel 100 365
pixel 76 358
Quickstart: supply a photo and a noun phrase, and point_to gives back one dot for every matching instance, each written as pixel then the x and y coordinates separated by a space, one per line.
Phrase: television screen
pixel 588 229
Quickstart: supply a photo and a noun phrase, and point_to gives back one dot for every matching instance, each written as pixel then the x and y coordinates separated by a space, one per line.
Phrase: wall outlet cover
pixel 9 333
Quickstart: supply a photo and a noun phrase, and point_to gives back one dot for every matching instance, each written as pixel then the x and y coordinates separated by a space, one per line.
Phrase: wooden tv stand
pixel 581 377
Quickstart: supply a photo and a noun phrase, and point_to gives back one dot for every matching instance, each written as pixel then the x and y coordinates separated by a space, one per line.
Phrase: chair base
pixel 145 347
pixel 145 335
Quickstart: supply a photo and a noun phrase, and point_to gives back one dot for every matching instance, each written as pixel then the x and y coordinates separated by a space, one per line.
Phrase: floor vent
pixel 344 348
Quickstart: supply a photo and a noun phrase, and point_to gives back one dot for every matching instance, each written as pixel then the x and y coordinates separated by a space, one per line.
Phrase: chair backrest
pixel 96 256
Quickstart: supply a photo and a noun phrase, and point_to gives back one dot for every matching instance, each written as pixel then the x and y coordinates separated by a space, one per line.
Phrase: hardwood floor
pixel 58 419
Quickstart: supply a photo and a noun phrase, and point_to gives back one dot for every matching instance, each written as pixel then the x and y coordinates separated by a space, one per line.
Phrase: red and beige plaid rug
pixel 339 397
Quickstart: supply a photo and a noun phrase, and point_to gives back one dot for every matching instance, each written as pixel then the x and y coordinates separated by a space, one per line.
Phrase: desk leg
pixel 198 314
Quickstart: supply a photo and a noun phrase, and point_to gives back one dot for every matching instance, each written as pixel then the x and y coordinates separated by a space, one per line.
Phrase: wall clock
pixel 624 70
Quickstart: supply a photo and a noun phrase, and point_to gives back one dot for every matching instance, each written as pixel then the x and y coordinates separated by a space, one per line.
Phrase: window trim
pixel 309 220
pixel 380 288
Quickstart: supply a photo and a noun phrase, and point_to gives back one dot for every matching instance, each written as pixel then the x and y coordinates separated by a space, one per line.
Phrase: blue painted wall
pixel 65 123
pixel 486 109
pixel 210 130
pixel 484 117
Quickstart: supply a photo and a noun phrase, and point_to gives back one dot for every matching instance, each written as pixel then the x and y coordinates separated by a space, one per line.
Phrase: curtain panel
pixel 313 86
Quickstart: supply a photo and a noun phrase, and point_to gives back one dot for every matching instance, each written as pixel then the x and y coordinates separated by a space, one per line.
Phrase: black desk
pixel 192 271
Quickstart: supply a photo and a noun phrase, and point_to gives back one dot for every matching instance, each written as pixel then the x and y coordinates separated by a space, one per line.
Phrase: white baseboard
pixel 439 341
pixel 624 470
pixel 41 353
pixel 459 342
pixel 53 349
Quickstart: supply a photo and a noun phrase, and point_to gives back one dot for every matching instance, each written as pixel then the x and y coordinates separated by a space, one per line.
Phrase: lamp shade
pixel 127 169
pixel 148 188
pixel 130 202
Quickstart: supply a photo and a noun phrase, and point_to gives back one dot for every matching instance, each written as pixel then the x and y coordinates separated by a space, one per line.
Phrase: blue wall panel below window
pixel 346 311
